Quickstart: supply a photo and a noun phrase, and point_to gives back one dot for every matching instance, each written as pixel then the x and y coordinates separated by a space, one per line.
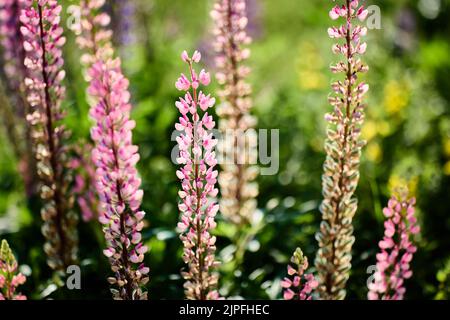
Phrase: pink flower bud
pixel 204 77
pixel 362 14
pixel 109 252
pixel 196 56
pixel 335 13
pixel 183 84
pixel 362 48
pixel 185 56
pixel 288 294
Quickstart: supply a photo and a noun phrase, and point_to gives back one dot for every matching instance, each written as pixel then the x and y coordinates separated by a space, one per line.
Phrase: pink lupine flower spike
pixel 10 279
pixel 198 179
pixel 298 285
pixel 114 155
pixel 43 41
pixel 343 146
pixel 396 248
pixel 237 180
pixel 118 183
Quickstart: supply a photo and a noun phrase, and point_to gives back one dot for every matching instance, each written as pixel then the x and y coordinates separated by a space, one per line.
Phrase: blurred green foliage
pixel 407 129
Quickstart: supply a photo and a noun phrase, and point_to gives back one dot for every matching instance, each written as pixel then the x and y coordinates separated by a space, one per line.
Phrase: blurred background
pixel 407 129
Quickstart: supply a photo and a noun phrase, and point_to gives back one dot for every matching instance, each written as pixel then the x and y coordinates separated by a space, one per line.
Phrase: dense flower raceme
pixel 93 35
pixel 118 183
pixel 114 155
pixel 198 179
pixel 343 148
pixel 14 110
pixel 94 39
pixel 298 286
pixel 397 249
pixel 238 144
pixel 42 42
pixel 9 278
pixel 11 40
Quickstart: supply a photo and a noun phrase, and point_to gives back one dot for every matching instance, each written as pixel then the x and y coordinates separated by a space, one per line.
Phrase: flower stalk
pixel 15 107
pixel 9 278
pixel 114 155
pixel 397 249
pixel 43 40
pixel 198 179
pixel 93 35
pixel 343 147
pixel 118 183
pixel 13 56
pixel 238 144
pixel 13 51
pixel 298 286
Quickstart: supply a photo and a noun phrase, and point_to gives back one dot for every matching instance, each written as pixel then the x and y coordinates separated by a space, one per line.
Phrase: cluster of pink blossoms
pixel 198 179
pixel 13 113
pixel 43 41
pixel 352 35
pixel 118 183
pixel 397 249
pixel 93 34
pixel 343 147
pixel 93 38
pixel 9 278
pixel 114 155
pixel 238 188
pixel 11 40
pixel 300 285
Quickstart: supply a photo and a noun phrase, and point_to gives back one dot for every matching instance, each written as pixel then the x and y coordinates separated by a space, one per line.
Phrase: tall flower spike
pixel 9 278
pixel 198 179
pixel 397 248
pixel 238 146
pixel 94 39
pixel 343 147
pixel 118 183
pixel 15 110
pixel 43 40
pixel 298 286
pixel 11 40
pixel 93 35
pixel 114 155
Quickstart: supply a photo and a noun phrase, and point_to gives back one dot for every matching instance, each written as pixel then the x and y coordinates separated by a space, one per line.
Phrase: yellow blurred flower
pixel 309 66
pixel 310 79
pixel 447 147
pixel 374 152
pixel 396 182
pixel 447 168
pixel 396 97
pixel 369 130
pixel 384 128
